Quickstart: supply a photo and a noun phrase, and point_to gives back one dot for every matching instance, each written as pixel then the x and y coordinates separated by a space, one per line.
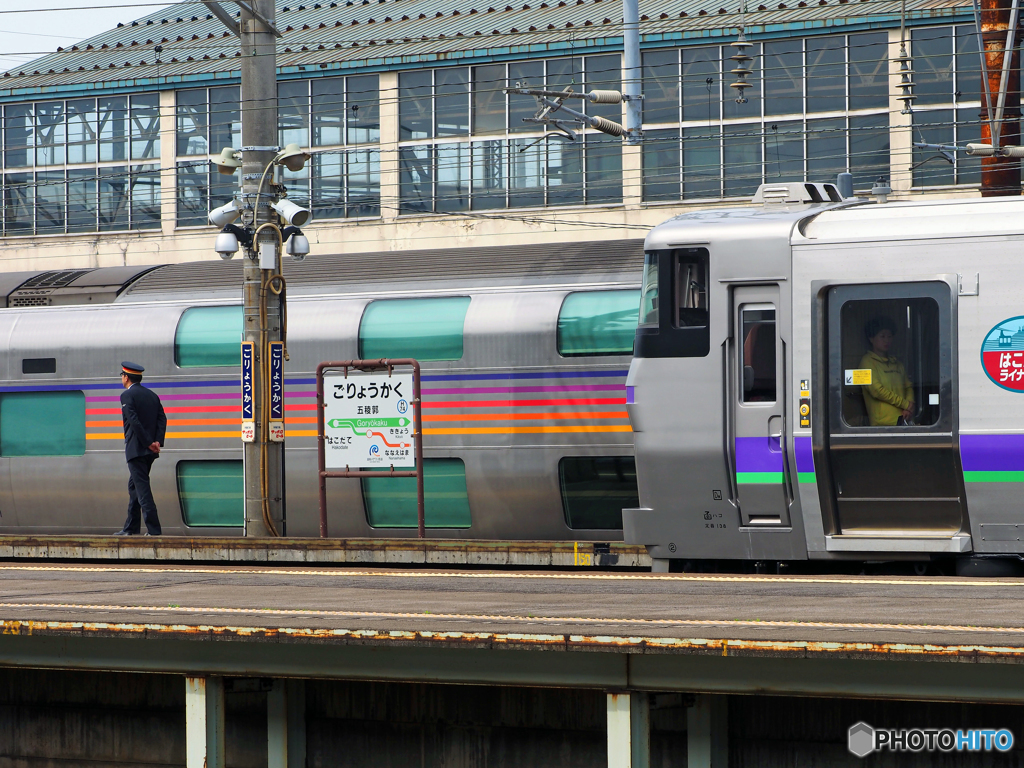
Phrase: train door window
pixel 391 501
pixel 42 423
pixel 209 336
pixel 595 490
pixel 211 493
pixel 891 362
pixel 759 353
pixel 424 329
pixel 597 323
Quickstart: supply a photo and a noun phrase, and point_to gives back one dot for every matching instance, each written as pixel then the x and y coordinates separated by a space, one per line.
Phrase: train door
pixel 758 406
pixel 892 413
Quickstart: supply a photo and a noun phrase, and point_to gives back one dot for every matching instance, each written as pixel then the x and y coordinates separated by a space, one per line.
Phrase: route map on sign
pixel 368 421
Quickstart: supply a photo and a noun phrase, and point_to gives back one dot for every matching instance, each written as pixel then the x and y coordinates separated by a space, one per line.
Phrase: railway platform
pixel 630 638
pixel 378 551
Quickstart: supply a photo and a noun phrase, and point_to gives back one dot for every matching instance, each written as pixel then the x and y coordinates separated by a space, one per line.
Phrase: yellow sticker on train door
pixel 858 377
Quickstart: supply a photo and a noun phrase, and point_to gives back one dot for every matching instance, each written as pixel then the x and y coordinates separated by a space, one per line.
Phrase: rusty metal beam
pixel 1000 176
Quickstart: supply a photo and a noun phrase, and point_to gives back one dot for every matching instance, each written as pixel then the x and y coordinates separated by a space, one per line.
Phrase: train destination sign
pixel 1002 354
pixel 368 421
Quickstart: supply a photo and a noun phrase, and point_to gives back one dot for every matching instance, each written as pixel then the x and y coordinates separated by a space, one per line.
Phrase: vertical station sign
pixel 368 421
pixel 248 399
pixel 276 392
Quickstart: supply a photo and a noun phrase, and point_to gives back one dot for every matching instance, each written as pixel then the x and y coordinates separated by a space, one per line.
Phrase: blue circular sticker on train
pixel 1002 354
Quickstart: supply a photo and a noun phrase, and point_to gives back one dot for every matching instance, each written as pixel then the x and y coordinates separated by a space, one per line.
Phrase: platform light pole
pixel 262 288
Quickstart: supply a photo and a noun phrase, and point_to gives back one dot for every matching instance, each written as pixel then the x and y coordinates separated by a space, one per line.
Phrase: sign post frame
pixel 382 364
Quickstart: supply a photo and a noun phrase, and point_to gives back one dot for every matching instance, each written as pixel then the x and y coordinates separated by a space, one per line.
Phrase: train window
pixel 597 323
pixel 595 489
pixel 649 291
pixel 211 493
pixel 690 278
pixel 39 365
pixel 891 362
pixel 209 336
pixel 759 354
pixel 42 423
pixel 677 327
pixel 391 501
pixel 424 329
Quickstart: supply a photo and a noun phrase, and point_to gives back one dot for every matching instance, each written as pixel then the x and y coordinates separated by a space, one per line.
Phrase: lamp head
pixel 226 245
pixel 294 215
pixel 228 161
pixel 292 157
pixel 221 217
pixel 297 246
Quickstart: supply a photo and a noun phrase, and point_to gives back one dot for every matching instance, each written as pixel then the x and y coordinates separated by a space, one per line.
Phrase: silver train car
pixel 524 354
pixel 753 394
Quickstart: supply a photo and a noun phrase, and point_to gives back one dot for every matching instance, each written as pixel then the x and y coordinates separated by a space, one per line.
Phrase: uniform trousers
pixel 140 497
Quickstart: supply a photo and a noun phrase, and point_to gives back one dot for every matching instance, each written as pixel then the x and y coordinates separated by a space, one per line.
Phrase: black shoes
pixel 123 533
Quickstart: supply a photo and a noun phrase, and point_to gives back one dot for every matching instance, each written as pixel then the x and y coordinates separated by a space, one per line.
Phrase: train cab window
pixel 674 304
pixel 391 501
pixel 212 493
pixel 42 423
pixel 209 336
pixel 423 329
pixel 759 354
pixel 597 323
pixel 595 490
pixel 891 358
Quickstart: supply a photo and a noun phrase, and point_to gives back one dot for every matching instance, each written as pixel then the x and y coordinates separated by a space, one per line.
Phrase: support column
pixel 389 146
pixel 204 722
pixel 707 732
pixel 286 724
pixel 168 172
pixel 629 730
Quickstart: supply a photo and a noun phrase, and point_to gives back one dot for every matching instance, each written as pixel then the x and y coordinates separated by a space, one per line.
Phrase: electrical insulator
pixel 743 61
pixel 906 84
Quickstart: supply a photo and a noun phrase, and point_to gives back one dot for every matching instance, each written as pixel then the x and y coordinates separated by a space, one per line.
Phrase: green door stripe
pixel 762 478
pixel 994 477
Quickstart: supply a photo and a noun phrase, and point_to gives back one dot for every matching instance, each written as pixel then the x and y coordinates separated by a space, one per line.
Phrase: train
pixel 766 425
pixel 524 353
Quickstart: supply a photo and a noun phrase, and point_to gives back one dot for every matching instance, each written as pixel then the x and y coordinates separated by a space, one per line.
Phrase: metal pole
pixel 631 69
pixel 320 450
pixel 1000 175
pixel 264 506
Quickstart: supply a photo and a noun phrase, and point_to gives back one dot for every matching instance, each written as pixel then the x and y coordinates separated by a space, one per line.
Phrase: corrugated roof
pixel 382 34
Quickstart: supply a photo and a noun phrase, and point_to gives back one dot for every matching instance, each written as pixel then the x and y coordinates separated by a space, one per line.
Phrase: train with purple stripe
pixel 524 352
pixel 819 378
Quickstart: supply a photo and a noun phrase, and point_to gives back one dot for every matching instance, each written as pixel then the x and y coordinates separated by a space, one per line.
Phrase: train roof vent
pixel 796 192
pixel 38 290
pixel 74 286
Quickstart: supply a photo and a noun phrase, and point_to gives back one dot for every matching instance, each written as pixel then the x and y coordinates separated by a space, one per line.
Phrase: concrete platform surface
pixel 835 616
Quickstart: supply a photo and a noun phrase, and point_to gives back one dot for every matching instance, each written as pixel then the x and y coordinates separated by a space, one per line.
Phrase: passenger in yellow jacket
pixel 890 395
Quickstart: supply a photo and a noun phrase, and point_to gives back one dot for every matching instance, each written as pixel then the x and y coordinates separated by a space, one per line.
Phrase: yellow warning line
pixel 340 570
pixel 562 620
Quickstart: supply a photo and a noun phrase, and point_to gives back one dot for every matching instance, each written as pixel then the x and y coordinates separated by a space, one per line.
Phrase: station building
pixel 417 145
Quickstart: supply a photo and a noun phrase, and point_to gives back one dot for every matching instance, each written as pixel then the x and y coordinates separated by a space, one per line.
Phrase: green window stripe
pixel 994 477
pixel 391 501
pixel 806 477
pixel 424 329
pixel 764 478
pixel 598 323
pixel 211 493
pixel 209 336
pixel 42 424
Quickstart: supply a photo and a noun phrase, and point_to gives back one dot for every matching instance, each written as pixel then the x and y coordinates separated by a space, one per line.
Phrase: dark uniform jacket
pixel 144 421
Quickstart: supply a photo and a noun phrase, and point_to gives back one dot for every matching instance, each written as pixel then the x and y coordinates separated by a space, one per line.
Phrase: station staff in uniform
pixel 144 428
